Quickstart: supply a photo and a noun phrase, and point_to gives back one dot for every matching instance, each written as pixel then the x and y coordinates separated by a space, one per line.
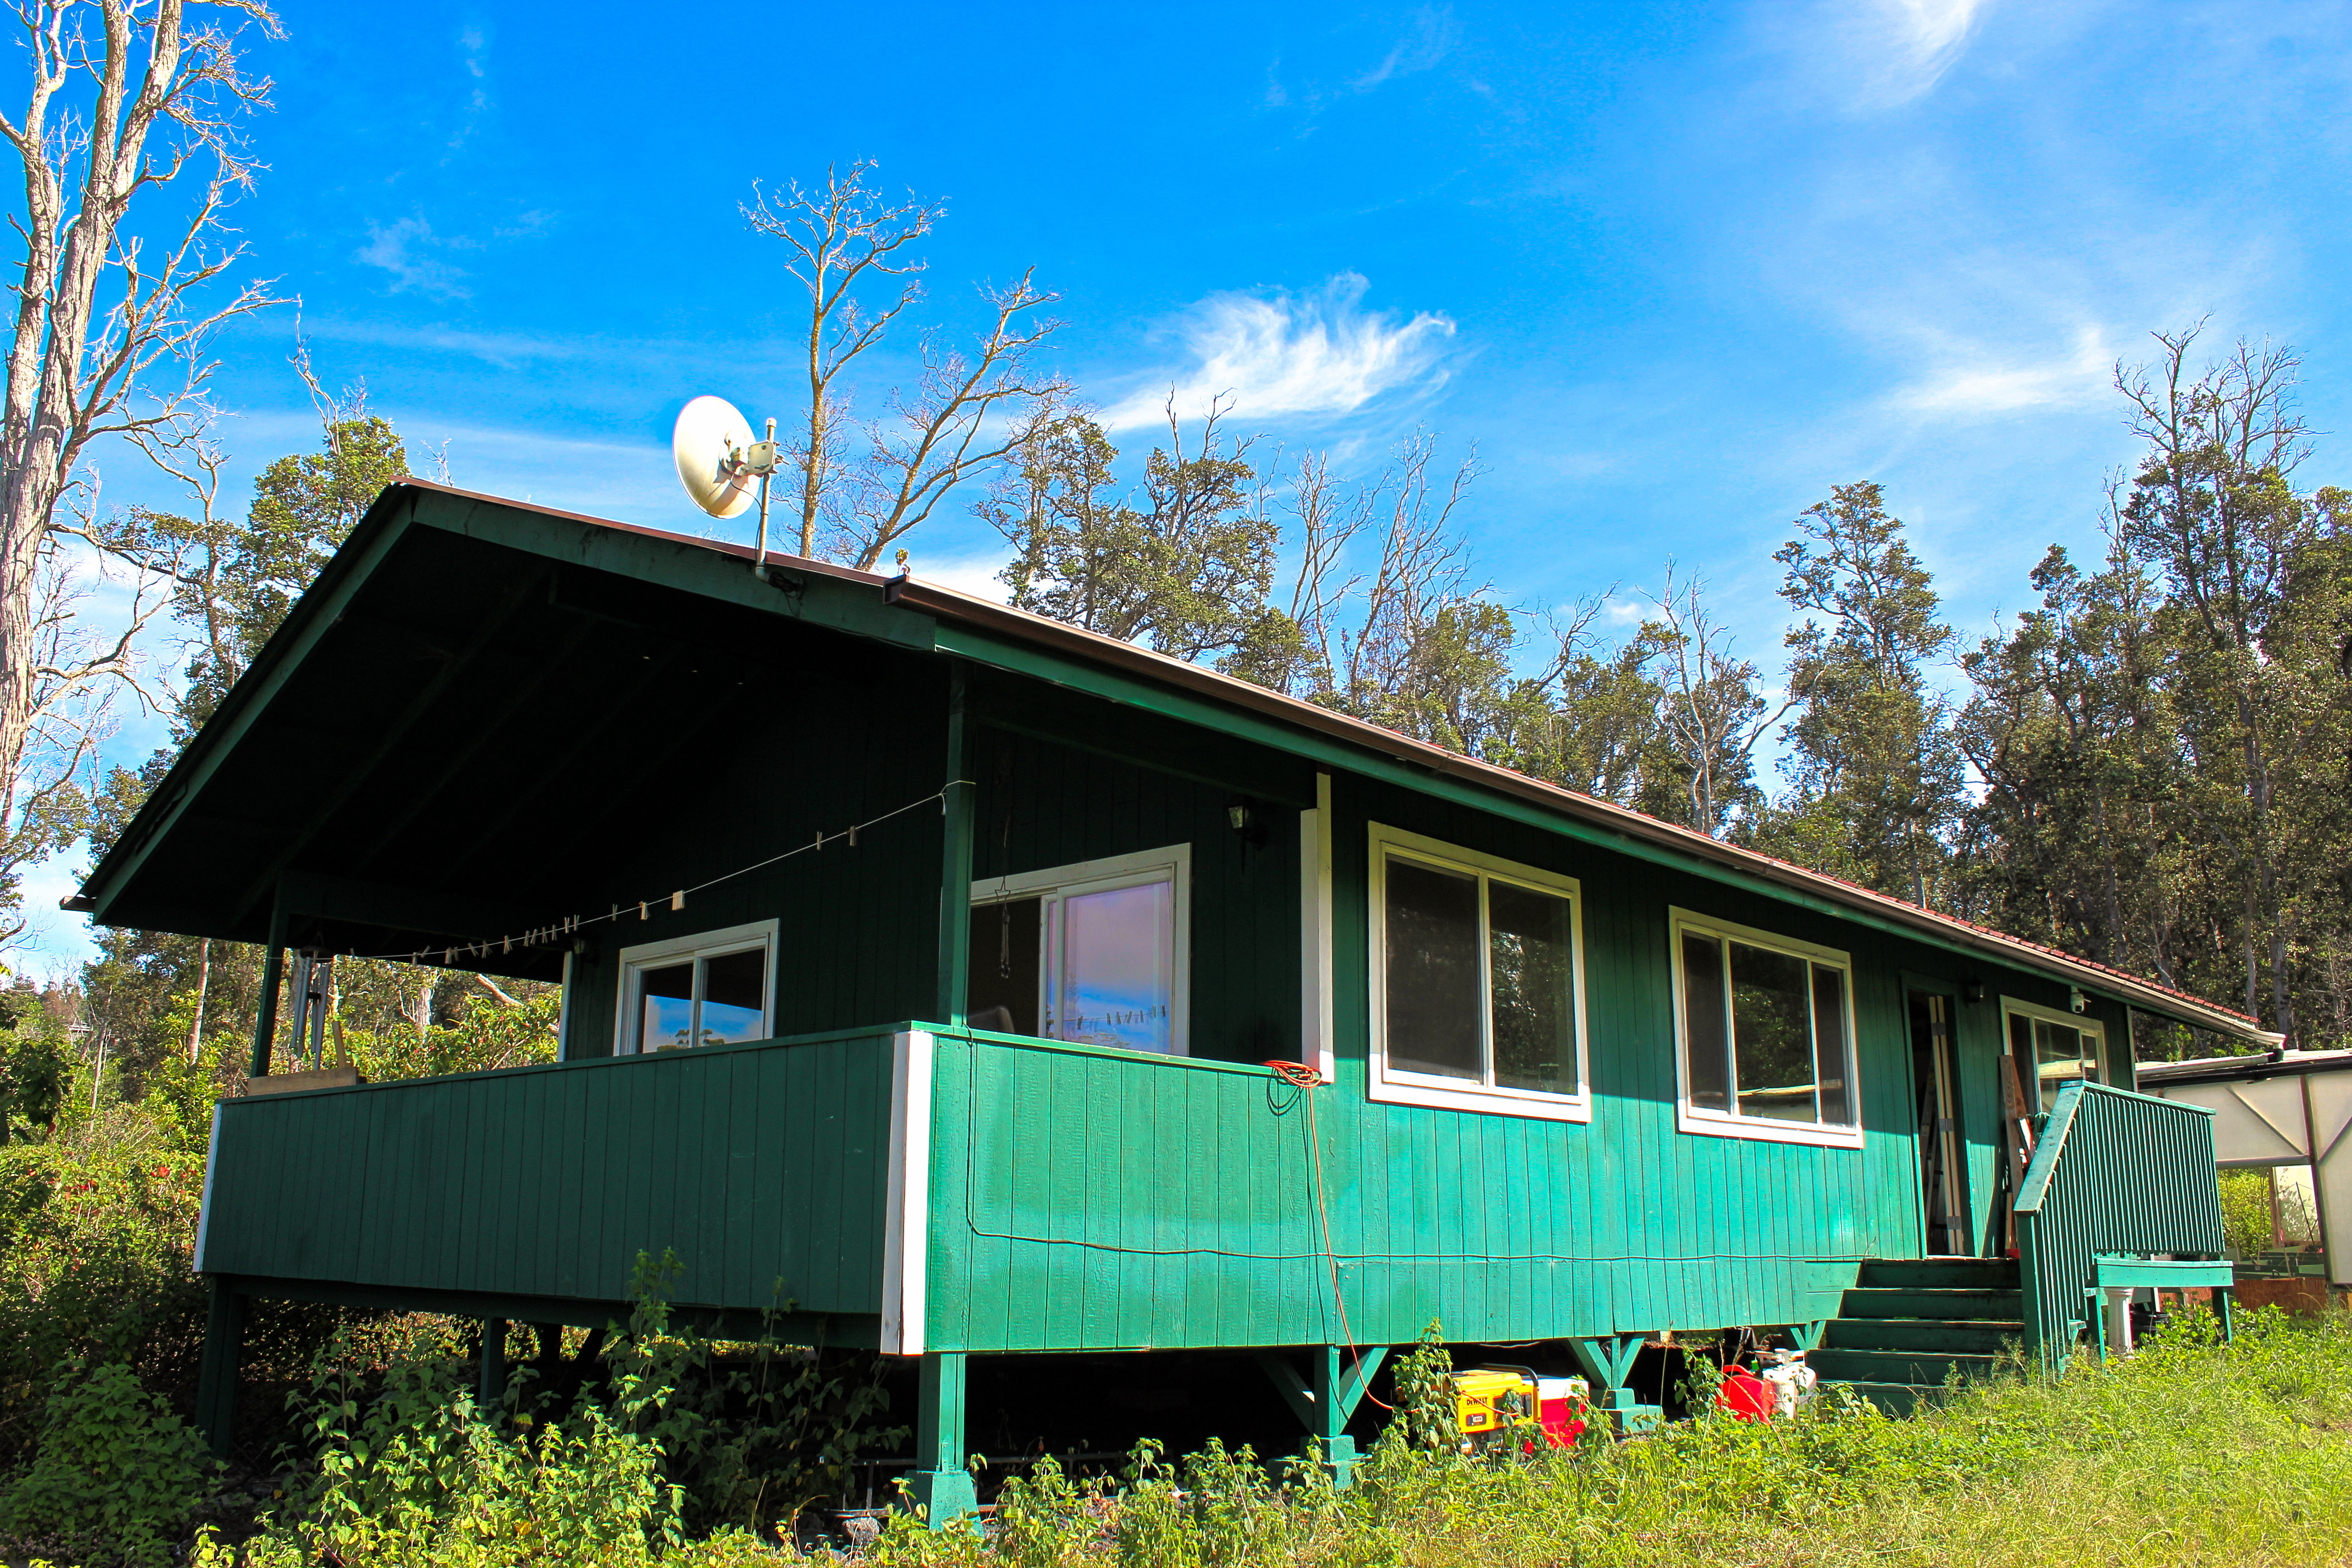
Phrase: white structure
pixel 2282 1108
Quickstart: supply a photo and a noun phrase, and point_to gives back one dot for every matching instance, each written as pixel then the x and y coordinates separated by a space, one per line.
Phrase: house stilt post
pixel 216 1379
pixel 490 1392
pixel 1607 1363
pixel 941 1485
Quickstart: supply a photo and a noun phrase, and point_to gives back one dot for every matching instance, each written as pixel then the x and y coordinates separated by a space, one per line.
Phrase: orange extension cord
pixel 1306 1080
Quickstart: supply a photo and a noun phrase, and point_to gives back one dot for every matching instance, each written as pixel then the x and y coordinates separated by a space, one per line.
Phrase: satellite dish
pixel 711 443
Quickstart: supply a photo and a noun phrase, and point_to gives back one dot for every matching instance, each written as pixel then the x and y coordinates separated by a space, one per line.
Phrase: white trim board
pixel 1314 933
pixel 204 1204
pixel 906 1232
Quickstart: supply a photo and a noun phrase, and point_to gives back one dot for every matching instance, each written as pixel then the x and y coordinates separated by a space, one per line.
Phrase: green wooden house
pixel 923 961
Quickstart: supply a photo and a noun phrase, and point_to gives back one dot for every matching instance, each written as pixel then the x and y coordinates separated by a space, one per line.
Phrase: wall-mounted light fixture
pixel 2075 1000
pixel 1972 991
pixel 1243 815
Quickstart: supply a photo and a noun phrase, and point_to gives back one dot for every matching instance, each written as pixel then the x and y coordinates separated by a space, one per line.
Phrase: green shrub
pixel 95 1229
pixel 116 1474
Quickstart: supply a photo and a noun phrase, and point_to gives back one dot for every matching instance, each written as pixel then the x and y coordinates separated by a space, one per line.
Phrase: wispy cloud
pixel 474 47
pixel 1430 36
pixel 399 250
pixel 1280 354
pixel 1973 380
pixel 1886 53
pixel 1429 40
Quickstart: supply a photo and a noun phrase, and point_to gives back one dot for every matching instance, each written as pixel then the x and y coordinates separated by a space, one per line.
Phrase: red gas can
pixel 1745 1395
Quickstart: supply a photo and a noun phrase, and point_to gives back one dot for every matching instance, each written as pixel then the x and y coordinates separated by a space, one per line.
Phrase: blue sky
pixel 1674 269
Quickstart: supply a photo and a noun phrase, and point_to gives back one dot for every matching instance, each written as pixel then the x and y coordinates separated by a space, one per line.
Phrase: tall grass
pixel 2188 1452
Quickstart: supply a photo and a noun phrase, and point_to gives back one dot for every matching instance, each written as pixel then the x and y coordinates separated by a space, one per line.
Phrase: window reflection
pixel 734 997
pixel 669 1019
pixel 1433 971
pixel 1116 949
pixel 709 998
pixel 1532 970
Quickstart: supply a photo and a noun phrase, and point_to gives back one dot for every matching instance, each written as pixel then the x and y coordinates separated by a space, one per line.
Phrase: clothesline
pixel 570 926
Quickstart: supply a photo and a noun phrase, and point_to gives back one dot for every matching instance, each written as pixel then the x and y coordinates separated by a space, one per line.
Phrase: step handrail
pixel 2114 1174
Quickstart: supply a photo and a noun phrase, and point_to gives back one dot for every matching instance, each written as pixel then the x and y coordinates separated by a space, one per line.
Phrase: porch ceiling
pixel 435 754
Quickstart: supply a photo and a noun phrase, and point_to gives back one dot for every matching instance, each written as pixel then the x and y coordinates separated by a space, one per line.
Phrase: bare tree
pixel 953 423
pixel 149 99
pixel 1711 713
pixel 1424 567
pixel 1328 521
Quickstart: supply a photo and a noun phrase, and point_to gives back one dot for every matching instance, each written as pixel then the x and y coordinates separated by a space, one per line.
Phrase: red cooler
pixel 1561 1405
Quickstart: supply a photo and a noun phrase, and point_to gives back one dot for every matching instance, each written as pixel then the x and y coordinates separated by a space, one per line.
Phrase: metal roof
pixel 946 604
pixel 2225 1069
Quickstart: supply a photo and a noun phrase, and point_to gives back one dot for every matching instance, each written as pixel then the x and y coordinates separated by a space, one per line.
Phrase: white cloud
pixel 397 250
pixel 1887 52
pixel 974 574
pixel 1972 380
pixel 1292 353
pixel 1432 38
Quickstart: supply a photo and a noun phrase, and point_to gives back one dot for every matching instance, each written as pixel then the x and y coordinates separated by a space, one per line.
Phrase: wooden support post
pixel 941 1485
pixel 1340 1386
pixel 955 861
pixel 1608 1361
pixel 491 1390
pixel 1325 1402
pixel 264 1017
pixel 217 1378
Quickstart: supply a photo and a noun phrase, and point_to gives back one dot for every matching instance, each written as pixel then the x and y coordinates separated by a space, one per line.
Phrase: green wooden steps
pixel 1908 1326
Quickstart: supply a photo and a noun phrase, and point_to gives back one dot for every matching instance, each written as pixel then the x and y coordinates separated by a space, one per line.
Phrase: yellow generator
pixel 1492 1399
pixel 1480 1398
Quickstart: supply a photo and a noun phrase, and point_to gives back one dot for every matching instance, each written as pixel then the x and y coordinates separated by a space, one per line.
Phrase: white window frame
pixel 1140 869
pixel 1712 1123
pixel 635 960
pixel 1395 1086
pixel 2082 1023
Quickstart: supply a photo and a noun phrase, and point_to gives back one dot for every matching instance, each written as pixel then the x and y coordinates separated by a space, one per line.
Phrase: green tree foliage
pixel 2165 745
pixel 1183 561
pixel 1878 779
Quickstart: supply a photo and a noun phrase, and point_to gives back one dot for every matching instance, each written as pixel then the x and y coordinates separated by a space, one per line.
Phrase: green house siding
pixel 762 1166
pixel 1095 1200
pixel 1043 804
pixel 855 735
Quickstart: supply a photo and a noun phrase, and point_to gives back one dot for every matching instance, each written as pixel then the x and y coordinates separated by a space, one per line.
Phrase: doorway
pixel 1943 1201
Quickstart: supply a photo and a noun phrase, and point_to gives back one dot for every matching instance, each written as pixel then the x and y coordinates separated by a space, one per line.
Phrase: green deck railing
pixel 757 1163
pixel 2113 1174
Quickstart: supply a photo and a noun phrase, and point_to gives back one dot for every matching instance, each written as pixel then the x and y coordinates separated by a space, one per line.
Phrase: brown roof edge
pixel 934 599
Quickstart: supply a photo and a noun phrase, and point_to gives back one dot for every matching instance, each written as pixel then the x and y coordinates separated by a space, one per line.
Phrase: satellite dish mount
pixel 719 464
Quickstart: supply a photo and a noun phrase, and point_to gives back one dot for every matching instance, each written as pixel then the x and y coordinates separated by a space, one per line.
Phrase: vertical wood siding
pixel 761 1165
pixel 1043 804
pixel 1091 1199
